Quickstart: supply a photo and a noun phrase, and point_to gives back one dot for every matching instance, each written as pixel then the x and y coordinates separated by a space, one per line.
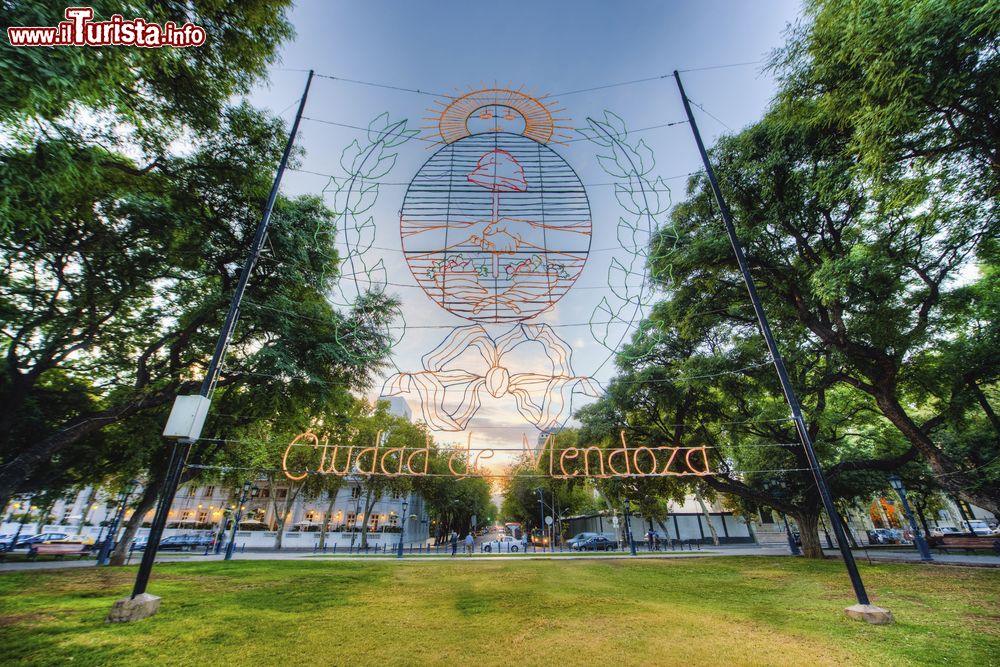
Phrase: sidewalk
pixel 445 555
pixel 899 556
pixel 905 555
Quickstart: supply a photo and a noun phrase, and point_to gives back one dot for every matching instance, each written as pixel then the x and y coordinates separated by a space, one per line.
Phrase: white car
pixel 504 544
pixel 978 526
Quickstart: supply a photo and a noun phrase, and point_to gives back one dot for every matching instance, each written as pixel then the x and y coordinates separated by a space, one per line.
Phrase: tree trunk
pixel 949 475
pixel 146 503
pixel 708 517
pixel 326 519
pixel 283 515
pixel 666 531
pixel 43 518
pixel 919 506
pixel 808 523
pixel 369 504
pixel 86 510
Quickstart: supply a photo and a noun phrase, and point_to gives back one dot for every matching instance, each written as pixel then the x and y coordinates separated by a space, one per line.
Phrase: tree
pixel 916 80
pixel 452 501
pixel 153 94
pixel 172 256
pixel 862 280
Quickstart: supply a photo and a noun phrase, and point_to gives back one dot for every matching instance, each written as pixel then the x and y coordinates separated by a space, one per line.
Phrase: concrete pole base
pixel 870 614
pixel 129 609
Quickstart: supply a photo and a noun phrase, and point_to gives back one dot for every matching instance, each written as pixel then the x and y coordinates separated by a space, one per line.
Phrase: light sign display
pixel 326 458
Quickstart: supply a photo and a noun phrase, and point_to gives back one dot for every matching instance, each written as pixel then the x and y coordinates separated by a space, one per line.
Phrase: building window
pixel 350 520
pixel 311 515
pixel 209 491
pixel 355 492
pixel 191 491
pixel 185 515
pixel 265 493
pixel 202 517
pixel 766 516
pixel 281 494
pixel 393 520
pixel 395 495
pixel 373 522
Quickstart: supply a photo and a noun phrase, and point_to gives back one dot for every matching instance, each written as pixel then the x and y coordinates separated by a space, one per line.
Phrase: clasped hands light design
pixel 450 384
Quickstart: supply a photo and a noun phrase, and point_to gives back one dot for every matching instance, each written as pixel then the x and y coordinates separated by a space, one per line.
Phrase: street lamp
pixel 541 515
pixel 628 529
pixel 102 558
pixel 220 536
pixel 253 492
pixel 402 529
pixel 897 484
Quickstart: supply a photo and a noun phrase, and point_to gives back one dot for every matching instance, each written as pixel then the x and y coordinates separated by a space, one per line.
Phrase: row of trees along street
pixel 866 198
pixel 130 185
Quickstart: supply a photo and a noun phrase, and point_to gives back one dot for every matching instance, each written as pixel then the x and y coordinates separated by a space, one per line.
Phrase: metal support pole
pixel 779 364
pixel 183 447
pixel 918 538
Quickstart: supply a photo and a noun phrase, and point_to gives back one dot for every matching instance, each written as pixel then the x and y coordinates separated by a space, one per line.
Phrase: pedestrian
pixel 454 542
pixel 649 539
pixel 469 543
pixel 656 541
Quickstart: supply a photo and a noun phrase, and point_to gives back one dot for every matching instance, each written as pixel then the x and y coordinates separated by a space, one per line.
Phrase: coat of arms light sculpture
pixel 495 228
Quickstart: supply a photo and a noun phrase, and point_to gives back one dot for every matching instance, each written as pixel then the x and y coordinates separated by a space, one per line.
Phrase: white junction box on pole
pixel 187 417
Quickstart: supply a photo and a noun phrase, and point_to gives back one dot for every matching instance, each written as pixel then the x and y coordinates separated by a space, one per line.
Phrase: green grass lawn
pixel 712 611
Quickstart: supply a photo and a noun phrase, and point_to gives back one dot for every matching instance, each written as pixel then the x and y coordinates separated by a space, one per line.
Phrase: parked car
pixel 595 543
pixel 82 539
pixel 941 531
pixel 7 541
pixel 503 544
pixel 27 542
pixel 185 542
pixel 579 537
pixel 979 527
pixel 885 536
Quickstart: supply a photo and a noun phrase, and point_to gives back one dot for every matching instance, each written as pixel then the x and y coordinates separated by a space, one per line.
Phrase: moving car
pixel 539 539
pixel 595 543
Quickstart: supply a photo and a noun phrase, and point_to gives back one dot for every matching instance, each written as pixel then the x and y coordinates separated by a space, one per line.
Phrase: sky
pixel 570 56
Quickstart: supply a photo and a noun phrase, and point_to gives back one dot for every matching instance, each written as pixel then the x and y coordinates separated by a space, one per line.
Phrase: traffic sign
pixel 548 521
